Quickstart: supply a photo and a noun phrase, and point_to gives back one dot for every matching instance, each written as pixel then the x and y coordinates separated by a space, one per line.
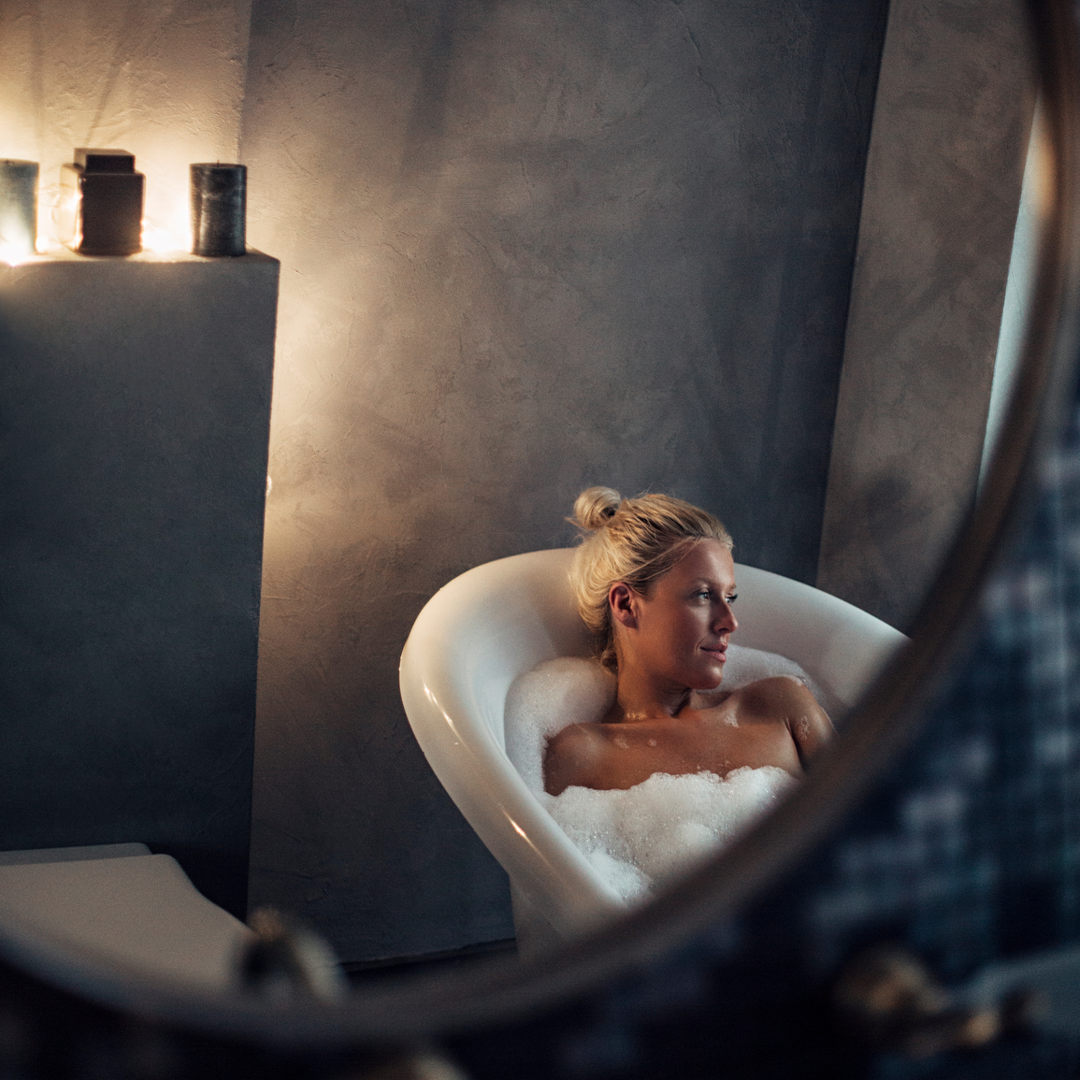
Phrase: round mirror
pixel 770 262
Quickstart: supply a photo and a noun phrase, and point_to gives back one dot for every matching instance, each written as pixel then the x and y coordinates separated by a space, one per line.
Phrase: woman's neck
pixel 638 699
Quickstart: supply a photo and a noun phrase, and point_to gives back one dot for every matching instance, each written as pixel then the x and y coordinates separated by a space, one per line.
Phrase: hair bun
pixel 595 506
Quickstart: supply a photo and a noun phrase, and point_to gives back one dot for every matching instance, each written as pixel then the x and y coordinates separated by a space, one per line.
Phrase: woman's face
pixel 680 631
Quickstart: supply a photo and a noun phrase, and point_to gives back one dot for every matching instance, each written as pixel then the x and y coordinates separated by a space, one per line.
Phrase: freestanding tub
pixel 499 620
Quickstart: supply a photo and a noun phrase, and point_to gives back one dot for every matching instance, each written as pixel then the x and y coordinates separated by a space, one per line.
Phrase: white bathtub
pixel 499 620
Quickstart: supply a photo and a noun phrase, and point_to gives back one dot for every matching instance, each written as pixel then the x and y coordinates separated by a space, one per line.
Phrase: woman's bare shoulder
pixel 573 736
pixel 571 755
pixel 777 691
pixel 785 699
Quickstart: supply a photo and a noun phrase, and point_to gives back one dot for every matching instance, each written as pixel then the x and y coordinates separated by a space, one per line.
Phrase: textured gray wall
pixel 943 177
pixel 527 246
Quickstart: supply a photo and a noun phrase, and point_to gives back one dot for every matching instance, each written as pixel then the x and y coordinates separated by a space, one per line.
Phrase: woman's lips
pixel 719 652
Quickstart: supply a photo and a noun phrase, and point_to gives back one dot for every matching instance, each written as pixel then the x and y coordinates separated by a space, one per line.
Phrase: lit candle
pixel 218 209
pixel 18 208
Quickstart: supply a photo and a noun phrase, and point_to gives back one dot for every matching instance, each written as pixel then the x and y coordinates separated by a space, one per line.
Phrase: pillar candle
pixel 18 206
pixel 218 209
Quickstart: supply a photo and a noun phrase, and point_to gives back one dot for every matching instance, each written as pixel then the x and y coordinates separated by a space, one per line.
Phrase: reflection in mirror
pixel 526 247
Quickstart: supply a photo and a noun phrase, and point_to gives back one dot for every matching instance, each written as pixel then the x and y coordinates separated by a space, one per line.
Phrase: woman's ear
pixel 623 608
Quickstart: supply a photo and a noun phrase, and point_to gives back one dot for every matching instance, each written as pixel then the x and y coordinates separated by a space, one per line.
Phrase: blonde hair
pixel 635 541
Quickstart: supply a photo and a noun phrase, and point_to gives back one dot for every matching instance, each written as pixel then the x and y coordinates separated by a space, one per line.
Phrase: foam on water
pixel 645 835
pixel 748 665
pixel 640 837
pixel 540 703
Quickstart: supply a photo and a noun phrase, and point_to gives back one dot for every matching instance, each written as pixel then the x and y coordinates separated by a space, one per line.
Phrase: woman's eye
pixel 732 598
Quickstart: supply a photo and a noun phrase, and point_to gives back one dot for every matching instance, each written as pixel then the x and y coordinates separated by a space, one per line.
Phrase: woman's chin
pixel 708 683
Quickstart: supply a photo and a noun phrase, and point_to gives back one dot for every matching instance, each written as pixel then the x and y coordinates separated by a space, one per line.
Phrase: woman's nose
pixel 725 619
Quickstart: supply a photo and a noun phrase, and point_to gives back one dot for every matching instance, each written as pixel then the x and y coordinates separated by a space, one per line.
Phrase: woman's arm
pixel 807 721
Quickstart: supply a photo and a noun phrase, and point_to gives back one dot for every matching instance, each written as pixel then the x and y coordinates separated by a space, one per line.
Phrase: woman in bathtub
pixel 655 583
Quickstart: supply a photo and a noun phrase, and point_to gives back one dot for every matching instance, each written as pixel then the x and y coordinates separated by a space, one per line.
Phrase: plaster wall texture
pixel 527 246
pixel 162 80
pixel 955 101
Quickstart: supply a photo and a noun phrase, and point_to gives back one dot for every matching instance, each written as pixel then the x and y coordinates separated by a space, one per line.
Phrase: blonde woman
pixel 655 583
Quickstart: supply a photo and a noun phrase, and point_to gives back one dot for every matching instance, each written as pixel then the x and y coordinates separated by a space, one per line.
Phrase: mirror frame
pixel 425 1007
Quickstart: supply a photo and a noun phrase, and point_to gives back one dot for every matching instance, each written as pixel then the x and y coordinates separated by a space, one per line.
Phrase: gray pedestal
pixel 134 421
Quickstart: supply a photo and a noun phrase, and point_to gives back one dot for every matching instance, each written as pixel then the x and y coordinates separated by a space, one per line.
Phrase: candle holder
pixel 18 207
pixel 101 203
pixel 218 209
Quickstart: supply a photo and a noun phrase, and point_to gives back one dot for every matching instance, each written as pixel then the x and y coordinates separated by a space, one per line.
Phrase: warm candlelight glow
pixel 167 218
pixel 16 243
pixel 161 240
pixel 165 233
pixel 65 216
pixel 13 254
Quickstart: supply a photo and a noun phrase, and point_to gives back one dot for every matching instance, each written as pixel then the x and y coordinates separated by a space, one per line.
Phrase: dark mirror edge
pixel 885 721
